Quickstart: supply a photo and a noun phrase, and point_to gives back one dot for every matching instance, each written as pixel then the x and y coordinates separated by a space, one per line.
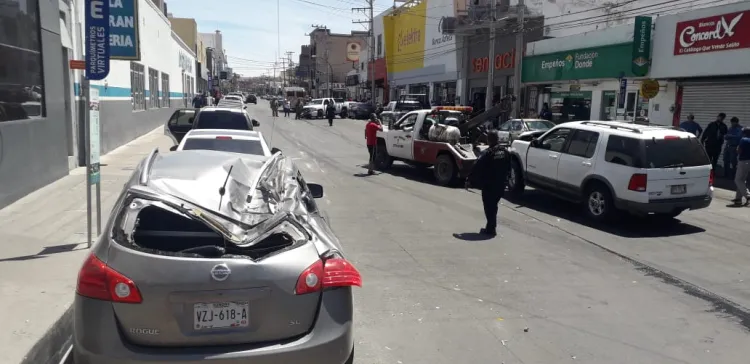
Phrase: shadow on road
pixel 416 174
pixel 46 251
pixel 625 225
pixel 472 237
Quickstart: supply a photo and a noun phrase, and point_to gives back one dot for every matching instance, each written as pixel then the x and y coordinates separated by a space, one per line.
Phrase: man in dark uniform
pixel 490 174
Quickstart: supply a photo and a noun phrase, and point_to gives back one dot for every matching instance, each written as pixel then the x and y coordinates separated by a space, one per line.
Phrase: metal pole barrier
pixel 86 93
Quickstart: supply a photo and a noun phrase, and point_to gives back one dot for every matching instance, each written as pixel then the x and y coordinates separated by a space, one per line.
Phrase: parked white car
pixel 223 140
pixel 609 166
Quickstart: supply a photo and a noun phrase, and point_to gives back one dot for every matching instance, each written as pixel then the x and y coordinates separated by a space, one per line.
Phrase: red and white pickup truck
pixel 436 137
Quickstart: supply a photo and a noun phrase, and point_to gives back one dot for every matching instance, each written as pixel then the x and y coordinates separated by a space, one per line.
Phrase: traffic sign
pixel 97 39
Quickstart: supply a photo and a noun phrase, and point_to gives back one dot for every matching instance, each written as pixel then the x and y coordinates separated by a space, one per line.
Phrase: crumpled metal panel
pixel 260 195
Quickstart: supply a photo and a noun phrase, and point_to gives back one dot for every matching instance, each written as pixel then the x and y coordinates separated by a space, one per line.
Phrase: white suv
pixel 611 166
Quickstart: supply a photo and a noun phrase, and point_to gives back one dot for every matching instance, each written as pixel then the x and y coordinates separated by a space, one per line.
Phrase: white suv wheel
pixel 597 203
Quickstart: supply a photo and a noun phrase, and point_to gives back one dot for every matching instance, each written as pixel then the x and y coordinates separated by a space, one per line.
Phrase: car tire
pixel 343 114
pixel 516 181
pixel 383 160
pixel 445 170
pixel 598 202
pixel 320 114
pixel 351 358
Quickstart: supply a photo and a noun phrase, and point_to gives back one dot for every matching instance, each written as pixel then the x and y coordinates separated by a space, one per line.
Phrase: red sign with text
pixel 501 61
pixel 713 34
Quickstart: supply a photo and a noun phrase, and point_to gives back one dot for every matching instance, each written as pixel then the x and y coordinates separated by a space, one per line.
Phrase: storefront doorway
pixel 608 110
pixel 570 106
pixel 445 93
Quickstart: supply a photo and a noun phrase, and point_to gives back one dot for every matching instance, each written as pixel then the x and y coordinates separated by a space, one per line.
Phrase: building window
pixel 165 102
pixel 380 45
pixel 21 73
pixel 137 86
pixel 153 88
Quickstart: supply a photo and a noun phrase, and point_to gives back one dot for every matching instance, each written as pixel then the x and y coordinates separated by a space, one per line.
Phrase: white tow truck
pixel 442 137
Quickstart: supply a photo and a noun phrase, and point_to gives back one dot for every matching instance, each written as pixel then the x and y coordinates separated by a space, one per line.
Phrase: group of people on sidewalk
pixel 734 140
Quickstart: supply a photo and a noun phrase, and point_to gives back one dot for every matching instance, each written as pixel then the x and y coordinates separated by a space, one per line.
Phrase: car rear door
pixel 192 301
pixel 677 167
pixel 179 124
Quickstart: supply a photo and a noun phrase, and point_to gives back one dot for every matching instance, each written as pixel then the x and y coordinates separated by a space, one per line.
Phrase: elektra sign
pixel 411 36
pixel 713 34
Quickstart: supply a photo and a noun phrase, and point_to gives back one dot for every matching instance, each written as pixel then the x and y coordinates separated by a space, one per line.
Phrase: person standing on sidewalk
pixel 743 169
pixel 298 109
pixel 274 107
pixel 197 101
pixel 490 174
pixel 371 137
pixel 691 126
pixel 732 140
pixel 286 108
pixel 713 138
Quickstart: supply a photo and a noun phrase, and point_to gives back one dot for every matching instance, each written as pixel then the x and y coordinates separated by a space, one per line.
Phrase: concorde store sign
pixel 117 22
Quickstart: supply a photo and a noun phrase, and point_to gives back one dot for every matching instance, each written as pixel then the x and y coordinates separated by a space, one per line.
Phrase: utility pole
pixel 289 65
pixel 371 49
pixel 491 57
pixel 518 61
pixel 328 75
pixel 283 70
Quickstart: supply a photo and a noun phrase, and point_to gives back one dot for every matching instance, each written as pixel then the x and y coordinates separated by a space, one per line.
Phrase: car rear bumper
pixel 97 339
pixel 666 206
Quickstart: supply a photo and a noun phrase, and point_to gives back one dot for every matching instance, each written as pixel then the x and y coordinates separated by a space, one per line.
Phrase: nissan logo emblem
pixel 220 272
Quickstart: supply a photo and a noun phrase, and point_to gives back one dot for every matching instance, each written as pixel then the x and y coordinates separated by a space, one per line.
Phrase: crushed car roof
pixel 237 194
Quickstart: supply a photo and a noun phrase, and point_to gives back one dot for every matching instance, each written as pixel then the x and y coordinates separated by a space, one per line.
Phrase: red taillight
pixel 638 182
pixel 224 137
pixel 711 178
pixel 97 280
pixel 335 272
pixel 671 137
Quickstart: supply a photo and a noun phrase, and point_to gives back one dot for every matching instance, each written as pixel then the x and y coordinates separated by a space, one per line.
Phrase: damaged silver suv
pixel 217 257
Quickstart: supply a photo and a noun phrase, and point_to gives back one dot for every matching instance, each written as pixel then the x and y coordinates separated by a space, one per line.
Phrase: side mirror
pixel 173 148
pixel 315 189
pixel 275 150
pixel 534 143
pixel 255 122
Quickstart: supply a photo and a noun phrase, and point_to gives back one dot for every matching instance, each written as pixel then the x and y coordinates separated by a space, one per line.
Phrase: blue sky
pixel 249 27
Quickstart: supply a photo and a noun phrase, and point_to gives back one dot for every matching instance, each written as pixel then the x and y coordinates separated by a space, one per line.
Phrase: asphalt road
pixel 549 289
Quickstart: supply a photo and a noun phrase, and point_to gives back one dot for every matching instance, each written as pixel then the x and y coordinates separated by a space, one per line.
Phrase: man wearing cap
pixel 371 137
pixel 490 174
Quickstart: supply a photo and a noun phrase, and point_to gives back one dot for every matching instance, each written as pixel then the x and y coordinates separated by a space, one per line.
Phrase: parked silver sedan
pixel 220 258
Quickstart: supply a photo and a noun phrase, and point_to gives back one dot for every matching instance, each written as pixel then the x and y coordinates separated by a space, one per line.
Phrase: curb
pixel 54 347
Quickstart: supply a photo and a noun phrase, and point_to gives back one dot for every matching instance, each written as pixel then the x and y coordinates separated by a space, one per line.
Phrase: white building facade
pixel 420 59
pixel 702 58
pixel 139 95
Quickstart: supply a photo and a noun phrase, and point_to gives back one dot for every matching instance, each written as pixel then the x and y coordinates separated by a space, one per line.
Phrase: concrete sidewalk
pixel 42 245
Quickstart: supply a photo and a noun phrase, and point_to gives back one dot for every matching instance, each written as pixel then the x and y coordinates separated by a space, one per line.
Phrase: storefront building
pixel 420 58
pixel 591 76
pixel 703 55
pixel 35 122
pixel 477 64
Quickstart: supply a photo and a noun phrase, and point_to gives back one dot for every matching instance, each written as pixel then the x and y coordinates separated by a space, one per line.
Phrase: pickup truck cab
pixel 408 140
pixel 316 108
